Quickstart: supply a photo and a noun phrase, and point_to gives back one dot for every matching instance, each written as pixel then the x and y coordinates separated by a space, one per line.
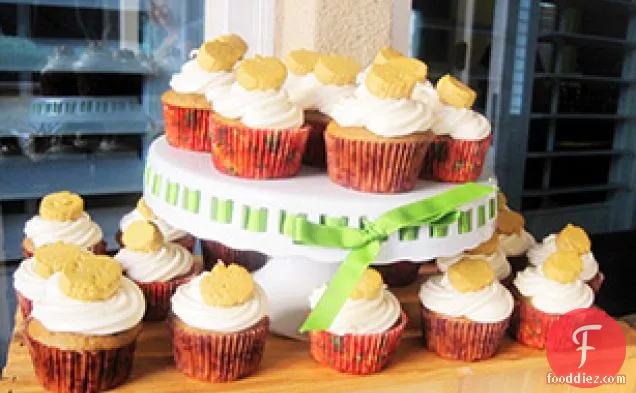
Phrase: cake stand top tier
pixel 184 189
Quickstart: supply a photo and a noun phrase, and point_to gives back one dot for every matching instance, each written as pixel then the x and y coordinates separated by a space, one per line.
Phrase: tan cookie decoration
pixel 369 286
pixel 226 286
pixel 454 93
pixel 301 61
pixel 62 206
pixel 385 54
pixel 563 266
pixel 573 238
pixel 509 222
pixel 488 247
pixel 261 73
pixel 386 82
pixel 418 68
pixel 336 70
pixel 91 279
pixel 51 258
pixel 143 236
pixel 470 275
pixel 217 56
pixel 145 211
pixel 236 42
pixel 502 201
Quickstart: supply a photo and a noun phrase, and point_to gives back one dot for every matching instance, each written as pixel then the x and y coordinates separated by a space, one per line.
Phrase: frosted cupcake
pixel 186 106
pixel 220 325
pixel 380 125
pixel 363 337
pixel 30 276
pixel 465 312
pixel 571 238
pixel 513 237
pixel 156 266
pixel 62 218
pixel 463 136
pixel 170 233
pixel 545 293
pixel 83 329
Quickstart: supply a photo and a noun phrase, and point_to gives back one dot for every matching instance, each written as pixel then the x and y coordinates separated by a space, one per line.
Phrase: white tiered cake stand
pixel 184 189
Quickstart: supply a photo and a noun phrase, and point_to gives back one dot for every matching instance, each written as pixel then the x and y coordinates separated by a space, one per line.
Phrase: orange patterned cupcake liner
pixel 187 128
pixel 453 160
pixel 530 326
pixel 460 338
pixel 358 354
pixel 25 305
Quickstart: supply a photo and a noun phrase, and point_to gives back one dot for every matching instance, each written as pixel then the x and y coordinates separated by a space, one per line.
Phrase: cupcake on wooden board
pixel 30 276
pixel 574 239
pixel 489 251
pixel 170 233
pixel 258 133
pixel 186 106
pixel 83 329
pixel 380 125
pixel 465 311
pixel 220 325
pixel 513 237
pixel 62 218
pixel 545 293
pixel 463 136
pixel 156 266
pixel 363 337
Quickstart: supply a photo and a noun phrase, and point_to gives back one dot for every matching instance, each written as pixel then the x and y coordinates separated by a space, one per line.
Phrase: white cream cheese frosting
pixel 497 260
pixel 461 123
pixel 541 251
pixel 82 232
pixel 310 93
pixel 27 281
pixel 169 232
pixel 516 244
pixel 426 93
pixel 192 79
pixel 363 316
pixel 60 313
pixel 550 296
pixel 171 261
pixel 493 303
pixel 189 306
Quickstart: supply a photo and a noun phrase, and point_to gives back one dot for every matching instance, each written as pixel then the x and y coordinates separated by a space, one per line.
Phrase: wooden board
pixel 288 367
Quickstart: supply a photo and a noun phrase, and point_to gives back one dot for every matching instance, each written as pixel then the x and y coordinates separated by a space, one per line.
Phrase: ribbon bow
pixel 365 243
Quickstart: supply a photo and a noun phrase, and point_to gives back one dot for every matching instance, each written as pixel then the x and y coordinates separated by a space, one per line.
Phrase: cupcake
pixel 170 233
pixel 220 325
pixel 380 125
pixel 465 311
pixel 571 238
pixel 156 266
pixel 462 138
pixel 514 239
pixel 186 106
pixel 489 251
pixel 82 331
pixel 30 276
pixel 257 131
pixel 62 218
pixel 363 337
pixel 545 293
pixel 332 80
pixel 213 251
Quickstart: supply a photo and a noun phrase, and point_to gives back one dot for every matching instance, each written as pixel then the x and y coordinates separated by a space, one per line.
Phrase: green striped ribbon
pixel 254 219
pixel 156 184
pixel 481 216
pixel 172 194
pixel 190 200
pixel 492 208
pixel 221 210
pixel 464 222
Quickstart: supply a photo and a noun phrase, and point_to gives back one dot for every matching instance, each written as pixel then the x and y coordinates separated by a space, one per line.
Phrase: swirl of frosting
pixel 550 296
pixel 384 117
pixel 426 93
pixel 461 123
pixel 497 260
pixel 195 80
pixel 491 304
pixel 516 244
pixel 189 306
pixel 363 316
pixel 260 108
pixel 26 281
pixel 82 232
pixel 171 261
pixel 169 232
pixel 538 253
pixel 313 94
pixel 60 313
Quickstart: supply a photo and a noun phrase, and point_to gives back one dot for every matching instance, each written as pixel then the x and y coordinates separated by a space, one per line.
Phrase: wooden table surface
pixel 288 367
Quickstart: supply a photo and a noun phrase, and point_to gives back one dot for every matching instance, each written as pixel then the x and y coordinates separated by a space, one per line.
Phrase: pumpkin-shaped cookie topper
pixel 573 238
pixel 62 206
pixel 51 258
pixel 236 42
pixel 301 61
pixel 217 56
pixel 564 267
pixel 416 67
pixel 488 247
pixel 145 210
pixel 470 275
pixel 338 70
pixel 261 73
pixel 226 286
pixel 369 286
pixel 509 222
pixel 142 236
pixel 386 82
pixel 454 93
pixel 92 278
pixel 385 54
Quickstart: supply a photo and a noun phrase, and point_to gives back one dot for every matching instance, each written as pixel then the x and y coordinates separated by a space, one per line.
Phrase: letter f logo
pixel 584 347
